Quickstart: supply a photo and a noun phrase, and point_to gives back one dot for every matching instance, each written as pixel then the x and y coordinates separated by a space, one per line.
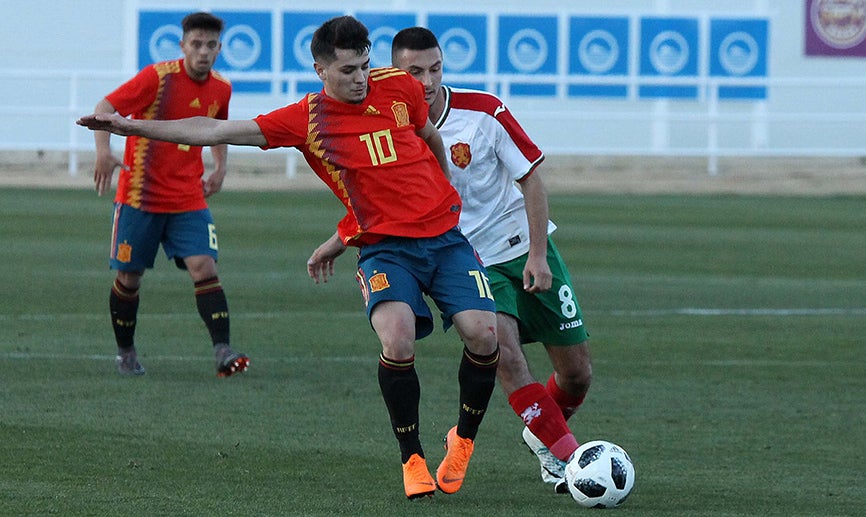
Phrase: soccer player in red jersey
pixel 367 136
pixel 161 194
pixel 494 166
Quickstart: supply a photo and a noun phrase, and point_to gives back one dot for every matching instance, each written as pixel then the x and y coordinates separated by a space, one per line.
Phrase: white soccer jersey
pixel 489 151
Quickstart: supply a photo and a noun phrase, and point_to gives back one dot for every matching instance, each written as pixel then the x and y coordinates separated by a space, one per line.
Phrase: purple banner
pixel 836 28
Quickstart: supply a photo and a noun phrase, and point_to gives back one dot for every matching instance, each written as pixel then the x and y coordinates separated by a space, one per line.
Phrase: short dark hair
pixel 413 38
pixel 203 21
pixel 343 32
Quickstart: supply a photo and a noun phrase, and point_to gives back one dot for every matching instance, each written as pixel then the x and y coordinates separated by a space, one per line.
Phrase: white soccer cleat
pixel 552 468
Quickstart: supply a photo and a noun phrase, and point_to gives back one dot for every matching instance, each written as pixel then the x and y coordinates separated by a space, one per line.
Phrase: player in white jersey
pixel 494 166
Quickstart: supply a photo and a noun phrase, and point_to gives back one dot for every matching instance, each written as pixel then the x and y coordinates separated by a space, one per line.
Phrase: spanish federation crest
pixel 461 155
pixel 124 252
pixel 379 282
pixel 401 113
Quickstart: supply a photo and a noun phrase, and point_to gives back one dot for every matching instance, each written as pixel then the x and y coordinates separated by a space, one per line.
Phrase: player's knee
pixel 200 267
pixel 480 340
pixel 130 279
pixel 396 342
pixel 575 379
pixel 482 346
pixel 477 329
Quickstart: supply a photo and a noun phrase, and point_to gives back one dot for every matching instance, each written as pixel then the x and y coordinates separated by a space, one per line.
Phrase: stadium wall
pixel 60 58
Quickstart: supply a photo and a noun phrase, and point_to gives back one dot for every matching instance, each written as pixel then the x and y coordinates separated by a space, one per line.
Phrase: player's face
pixel 200 50
pixel 345 79
pixel 424 65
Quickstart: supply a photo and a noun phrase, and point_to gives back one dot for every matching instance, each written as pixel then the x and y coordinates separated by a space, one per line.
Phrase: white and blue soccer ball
pixel 600 474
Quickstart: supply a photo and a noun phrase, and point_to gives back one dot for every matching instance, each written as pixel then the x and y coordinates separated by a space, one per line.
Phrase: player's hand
pixel 537 277
pixel 111 122
pixel 213 184
pixel 321 262
pixel 104 170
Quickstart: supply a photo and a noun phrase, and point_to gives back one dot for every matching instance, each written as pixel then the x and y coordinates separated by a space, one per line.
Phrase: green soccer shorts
pixel 552 317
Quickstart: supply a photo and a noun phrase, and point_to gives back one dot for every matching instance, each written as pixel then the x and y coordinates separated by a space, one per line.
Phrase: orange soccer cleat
pixel 417 480
pixel 452 470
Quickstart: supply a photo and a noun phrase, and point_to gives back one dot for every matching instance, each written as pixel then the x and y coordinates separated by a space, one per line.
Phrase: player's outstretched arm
pixel 191 131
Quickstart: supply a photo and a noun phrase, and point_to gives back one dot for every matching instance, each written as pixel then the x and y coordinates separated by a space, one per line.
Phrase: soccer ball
pixel 599 475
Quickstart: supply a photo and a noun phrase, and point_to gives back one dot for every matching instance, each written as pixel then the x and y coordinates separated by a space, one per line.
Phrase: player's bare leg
pixel 572 376
pixel 513 372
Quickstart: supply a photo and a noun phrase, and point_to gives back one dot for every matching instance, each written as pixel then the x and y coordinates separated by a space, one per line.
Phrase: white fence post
pixel 73 130
pixel 712 127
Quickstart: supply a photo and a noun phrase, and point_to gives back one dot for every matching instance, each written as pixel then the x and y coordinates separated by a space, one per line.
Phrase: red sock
pixel 541 415
pixel 567 403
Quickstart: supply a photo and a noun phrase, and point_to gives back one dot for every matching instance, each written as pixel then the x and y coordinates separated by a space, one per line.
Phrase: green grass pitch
pixel 727 335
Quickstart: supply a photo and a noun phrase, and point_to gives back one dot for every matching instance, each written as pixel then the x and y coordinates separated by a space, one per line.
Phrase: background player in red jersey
pixel 367 136
pixel 161 194
pixel 509 228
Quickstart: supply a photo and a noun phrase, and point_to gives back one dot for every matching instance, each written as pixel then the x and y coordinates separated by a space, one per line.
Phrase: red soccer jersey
pixel 369 155
pixel 166 177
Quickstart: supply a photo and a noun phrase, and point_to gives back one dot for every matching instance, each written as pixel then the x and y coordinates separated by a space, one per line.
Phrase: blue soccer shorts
pixel 404 269
pixel 136 236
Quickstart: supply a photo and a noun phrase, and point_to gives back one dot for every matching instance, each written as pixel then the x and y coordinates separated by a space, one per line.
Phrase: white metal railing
pixel 707 111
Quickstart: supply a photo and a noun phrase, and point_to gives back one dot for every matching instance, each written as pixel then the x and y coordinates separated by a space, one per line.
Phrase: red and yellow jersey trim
pixel 137 170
